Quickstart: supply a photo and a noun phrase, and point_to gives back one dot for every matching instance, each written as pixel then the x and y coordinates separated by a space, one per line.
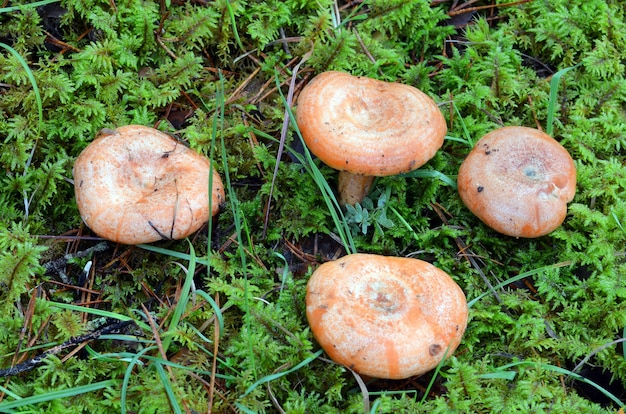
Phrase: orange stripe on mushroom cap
pixel 385 317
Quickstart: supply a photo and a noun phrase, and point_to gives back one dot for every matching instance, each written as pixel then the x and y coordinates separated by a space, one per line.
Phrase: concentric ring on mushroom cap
pixel 136 184
pixel 367 126
pixel 518 181
pixel 386 317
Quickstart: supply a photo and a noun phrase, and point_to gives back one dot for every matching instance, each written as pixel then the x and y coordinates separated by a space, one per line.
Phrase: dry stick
pixel 58 265
pixel 206 385
pixel 233 96
pixel 157 338
pixel 462 248
pixel 232 239
pixel 490 6
pixel 579 366
pixel 91 277
pixel 260 96
pixel 30 310
pixel 360 382
pixel 365 50
pixel 283 136
pixel 74 287
pixel 253 142
pixel 159 343
pixel 50 38
pixel 275 401
pixel 39 359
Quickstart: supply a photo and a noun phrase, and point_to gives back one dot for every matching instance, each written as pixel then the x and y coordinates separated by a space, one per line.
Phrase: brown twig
pixel 39 359
pixel 463 248
pixel 283 136
pixel 462 9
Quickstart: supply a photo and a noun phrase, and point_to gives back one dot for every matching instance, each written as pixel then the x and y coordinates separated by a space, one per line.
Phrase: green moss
pixel 177 65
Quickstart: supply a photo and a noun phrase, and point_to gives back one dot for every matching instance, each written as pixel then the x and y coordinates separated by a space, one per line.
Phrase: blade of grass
pixel 184 296
pixel 99 312
pixel 9 393
pixel 25 6
pixel 55 395
pixel 518 277
pixel 554 89
pixel 567 373
pixel 341 225
pixel 233 23
pixel 168 388
pixel 33 82
pixel 505 375
pixel 129 370
pixel 434 376
pixel 468 137
pixel 432 174
pixel 236 211
pixel 283 134
pixel 404 222
pixel 173 253
pixel 285 271
pixel 31 78
pixel 272 377
pixel 216 308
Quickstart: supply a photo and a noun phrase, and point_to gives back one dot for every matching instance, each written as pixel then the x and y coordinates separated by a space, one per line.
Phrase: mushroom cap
pixel 136 184
pixel 385 317
pixel 518 181
pixel 367 126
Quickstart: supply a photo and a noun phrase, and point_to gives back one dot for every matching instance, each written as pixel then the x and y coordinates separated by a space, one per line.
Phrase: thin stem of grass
pixel 566 372
pixel 516 278
pixel 168 388
pixel 342 226
pixel 181 305
pixel 129 370
pixel 434 376
pixel 236 212
pixel 554 89
pixel 431 174
pixel 233 23
pixel 55 395
pixel 25 6
pixel 468 137
pixel 273 377
pixel 99 312
pixel 31 77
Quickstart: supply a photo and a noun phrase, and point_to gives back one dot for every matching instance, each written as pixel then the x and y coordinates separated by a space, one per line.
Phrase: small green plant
pixel 362 215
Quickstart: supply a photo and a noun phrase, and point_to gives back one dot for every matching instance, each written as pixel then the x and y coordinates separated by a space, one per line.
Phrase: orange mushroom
pixel 135 184
pixel 518 181
pixel 366 127
pixel 385 317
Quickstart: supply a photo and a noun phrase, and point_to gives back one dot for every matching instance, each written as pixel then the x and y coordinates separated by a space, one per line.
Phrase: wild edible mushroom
pixel 366 127
pixel 518 181
pixel 385 317
pixel 135 184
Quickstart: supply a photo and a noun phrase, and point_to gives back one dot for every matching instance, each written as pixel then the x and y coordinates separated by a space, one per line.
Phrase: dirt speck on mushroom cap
pixel 386 317
pixel 367 126
pixel 136 184
pixel 518 181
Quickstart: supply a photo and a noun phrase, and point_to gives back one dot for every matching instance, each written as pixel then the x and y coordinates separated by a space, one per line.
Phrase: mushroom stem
pixel 353 187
